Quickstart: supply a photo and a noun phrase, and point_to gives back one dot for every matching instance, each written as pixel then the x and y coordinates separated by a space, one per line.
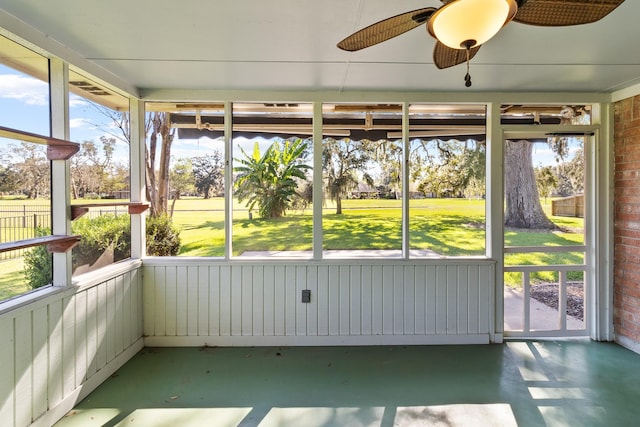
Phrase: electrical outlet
pixel 306 295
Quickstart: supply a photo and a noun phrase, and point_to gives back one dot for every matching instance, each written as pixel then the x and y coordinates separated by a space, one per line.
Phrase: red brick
pixel 627 332
pixel 627 200
pixel 631 318
pixel 635 108
pixel 623 258
pixel 626 260
pixel 630 245
pixel 632 295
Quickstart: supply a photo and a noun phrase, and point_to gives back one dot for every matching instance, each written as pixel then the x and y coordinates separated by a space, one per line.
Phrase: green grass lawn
pixel 452 227
pixel 449 227
pixel 12 280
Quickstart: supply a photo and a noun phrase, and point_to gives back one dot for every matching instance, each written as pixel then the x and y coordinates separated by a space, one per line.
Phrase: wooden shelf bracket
pixel 57 149
pixel 55 243
pixel 132 207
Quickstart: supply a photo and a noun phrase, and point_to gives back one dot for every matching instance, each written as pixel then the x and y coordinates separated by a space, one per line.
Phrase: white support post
pixel 60 171
pixel 494 212
pixel 599 225
pixel 317 180
pixel 137 175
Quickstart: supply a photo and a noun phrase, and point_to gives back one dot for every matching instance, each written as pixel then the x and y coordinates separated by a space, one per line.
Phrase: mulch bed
pixel 547 293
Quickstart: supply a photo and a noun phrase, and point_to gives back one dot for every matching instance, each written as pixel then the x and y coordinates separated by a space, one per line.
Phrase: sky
pixel 24 103
pixel 24 106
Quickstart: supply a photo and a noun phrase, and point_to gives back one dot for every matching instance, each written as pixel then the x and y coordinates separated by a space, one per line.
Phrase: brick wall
pixel 627 222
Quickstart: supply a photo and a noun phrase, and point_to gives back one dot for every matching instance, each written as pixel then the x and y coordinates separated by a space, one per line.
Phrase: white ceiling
pixel 291 45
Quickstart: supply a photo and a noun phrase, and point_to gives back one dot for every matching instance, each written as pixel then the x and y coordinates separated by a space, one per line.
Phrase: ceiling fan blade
pixel 555 13
pixel 445 57
pixel 386 29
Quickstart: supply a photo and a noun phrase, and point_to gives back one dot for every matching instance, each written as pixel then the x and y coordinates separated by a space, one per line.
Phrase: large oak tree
pixel 344 164
pixel 522 200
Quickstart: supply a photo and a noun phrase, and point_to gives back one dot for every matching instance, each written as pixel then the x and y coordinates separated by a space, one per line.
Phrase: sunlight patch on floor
pixel 559 415
pixel 467 415
pixel 97 415
pixel 527 363
pixel 185 417
pixel 323 416
pixel 557 393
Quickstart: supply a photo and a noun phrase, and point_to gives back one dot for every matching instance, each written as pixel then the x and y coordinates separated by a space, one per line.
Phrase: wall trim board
pixel 294 341
pixel 628 343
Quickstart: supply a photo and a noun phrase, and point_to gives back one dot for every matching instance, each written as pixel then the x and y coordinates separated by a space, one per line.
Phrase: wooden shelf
pixel 133 207
pixel 55 243
pixel 57 149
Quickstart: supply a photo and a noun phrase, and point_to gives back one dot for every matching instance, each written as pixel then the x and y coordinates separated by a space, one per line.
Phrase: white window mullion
pixel 406 248
pixel 228 179
pixel 317 180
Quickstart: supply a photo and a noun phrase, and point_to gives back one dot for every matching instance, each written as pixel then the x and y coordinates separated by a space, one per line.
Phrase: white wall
pixel 190 302
pixel 57 349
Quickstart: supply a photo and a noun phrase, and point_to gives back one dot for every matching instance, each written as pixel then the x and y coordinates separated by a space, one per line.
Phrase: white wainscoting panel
pixel 58 348
pixel 216 303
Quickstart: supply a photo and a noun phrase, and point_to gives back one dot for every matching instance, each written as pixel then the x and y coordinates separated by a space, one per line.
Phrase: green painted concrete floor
pixel 520 383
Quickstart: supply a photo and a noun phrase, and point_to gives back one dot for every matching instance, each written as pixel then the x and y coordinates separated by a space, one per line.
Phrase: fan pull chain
pixel 467 77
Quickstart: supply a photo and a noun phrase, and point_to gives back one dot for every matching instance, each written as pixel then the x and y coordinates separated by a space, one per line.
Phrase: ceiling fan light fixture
pixel 463 24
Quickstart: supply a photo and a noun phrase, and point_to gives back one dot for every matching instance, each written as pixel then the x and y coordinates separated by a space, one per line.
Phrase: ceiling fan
pixel 460 27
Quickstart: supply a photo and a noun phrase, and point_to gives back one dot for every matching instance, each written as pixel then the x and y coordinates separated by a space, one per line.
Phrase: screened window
pixel 446 180
pixel 272 180
pixel 24 88
pixel 185 158
pixel 99 122
pixel 362 180
pixel 25 208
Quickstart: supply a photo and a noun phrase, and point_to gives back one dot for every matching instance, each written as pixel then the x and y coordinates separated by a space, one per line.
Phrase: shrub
pixel 163 238
pixel 38 263
pixel 99 234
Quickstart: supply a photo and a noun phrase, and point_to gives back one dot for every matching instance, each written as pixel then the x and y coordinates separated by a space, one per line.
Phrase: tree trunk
pixel 163 174
pixel 523 208
pixel 158 180
pixel 338 205
pixel 176 196
pixel 150 176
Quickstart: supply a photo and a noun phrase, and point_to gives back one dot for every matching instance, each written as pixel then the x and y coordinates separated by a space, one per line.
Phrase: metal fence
pixel 95 212
pixel 20 222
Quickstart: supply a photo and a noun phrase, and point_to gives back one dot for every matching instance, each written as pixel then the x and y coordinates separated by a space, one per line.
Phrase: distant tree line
pixel 278 179
pixel 25 171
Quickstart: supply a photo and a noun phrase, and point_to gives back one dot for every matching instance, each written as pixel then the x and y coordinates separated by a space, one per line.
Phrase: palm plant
pixel 270 180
